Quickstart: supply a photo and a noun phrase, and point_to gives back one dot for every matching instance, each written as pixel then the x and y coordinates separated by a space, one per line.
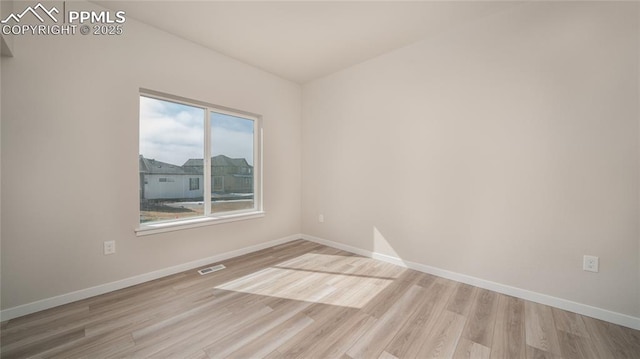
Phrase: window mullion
pixel 258 176
pixel 206 173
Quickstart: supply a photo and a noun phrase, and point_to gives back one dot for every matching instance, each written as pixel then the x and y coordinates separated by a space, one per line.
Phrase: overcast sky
pixel 174 133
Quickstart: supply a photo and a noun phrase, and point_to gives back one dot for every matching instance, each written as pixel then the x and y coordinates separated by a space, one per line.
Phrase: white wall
pixel 504 150
pixel 70 156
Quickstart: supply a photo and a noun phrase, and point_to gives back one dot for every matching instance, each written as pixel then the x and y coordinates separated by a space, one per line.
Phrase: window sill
pixel 162 227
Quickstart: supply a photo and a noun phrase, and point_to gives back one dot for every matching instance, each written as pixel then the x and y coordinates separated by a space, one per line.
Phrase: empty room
pixel 320 179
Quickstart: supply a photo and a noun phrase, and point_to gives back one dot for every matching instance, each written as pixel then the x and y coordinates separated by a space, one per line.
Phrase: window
pixel 218 183
pixel 194 184
pixel 183 144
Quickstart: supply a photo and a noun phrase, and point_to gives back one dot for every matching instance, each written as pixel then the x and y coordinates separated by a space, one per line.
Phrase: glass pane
pixel 231 163
pixel 170 160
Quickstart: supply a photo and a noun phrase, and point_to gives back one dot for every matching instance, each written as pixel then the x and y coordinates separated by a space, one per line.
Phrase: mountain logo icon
pixel 35 11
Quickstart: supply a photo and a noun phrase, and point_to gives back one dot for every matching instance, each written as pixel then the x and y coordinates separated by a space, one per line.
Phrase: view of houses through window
pixel 175 147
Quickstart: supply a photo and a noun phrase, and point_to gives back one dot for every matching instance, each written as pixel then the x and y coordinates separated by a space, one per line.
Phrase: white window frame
pixel 211 218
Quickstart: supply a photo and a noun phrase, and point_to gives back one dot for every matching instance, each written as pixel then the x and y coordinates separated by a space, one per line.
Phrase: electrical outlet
pixel 590 263
pixel 109 247
pixel 321 218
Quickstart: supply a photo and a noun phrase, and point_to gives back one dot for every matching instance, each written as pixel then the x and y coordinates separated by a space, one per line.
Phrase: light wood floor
pixel 305 300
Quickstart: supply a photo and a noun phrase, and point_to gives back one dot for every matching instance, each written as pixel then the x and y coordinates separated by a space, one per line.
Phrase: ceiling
pixel 302 41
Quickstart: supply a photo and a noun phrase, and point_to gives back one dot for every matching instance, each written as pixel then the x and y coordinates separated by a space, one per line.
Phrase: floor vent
pixel 204 271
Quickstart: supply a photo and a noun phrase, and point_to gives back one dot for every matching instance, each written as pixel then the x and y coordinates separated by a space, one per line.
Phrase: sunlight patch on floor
pixel 319 278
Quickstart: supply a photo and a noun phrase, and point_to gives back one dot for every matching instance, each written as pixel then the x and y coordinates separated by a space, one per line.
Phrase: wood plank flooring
pixel 304 300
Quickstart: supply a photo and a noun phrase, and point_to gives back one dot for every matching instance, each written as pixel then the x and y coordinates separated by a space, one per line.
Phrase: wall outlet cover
pixel 590 263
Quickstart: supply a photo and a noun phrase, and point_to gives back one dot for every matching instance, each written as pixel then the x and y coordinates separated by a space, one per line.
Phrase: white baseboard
pixel 43 304
pixel 594 312
pixel 587 310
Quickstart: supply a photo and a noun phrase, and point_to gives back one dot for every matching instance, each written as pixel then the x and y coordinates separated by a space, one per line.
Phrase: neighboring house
pixel 160 180
pixel 228 175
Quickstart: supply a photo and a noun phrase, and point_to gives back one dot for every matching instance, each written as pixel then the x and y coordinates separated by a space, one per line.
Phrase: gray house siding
pixel 161 181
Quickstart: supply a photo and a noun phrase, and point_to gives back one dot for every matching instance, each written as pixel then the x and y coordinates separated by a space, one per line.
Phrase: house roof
pixel 192 166
pixel 218 161
pixel 151 166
